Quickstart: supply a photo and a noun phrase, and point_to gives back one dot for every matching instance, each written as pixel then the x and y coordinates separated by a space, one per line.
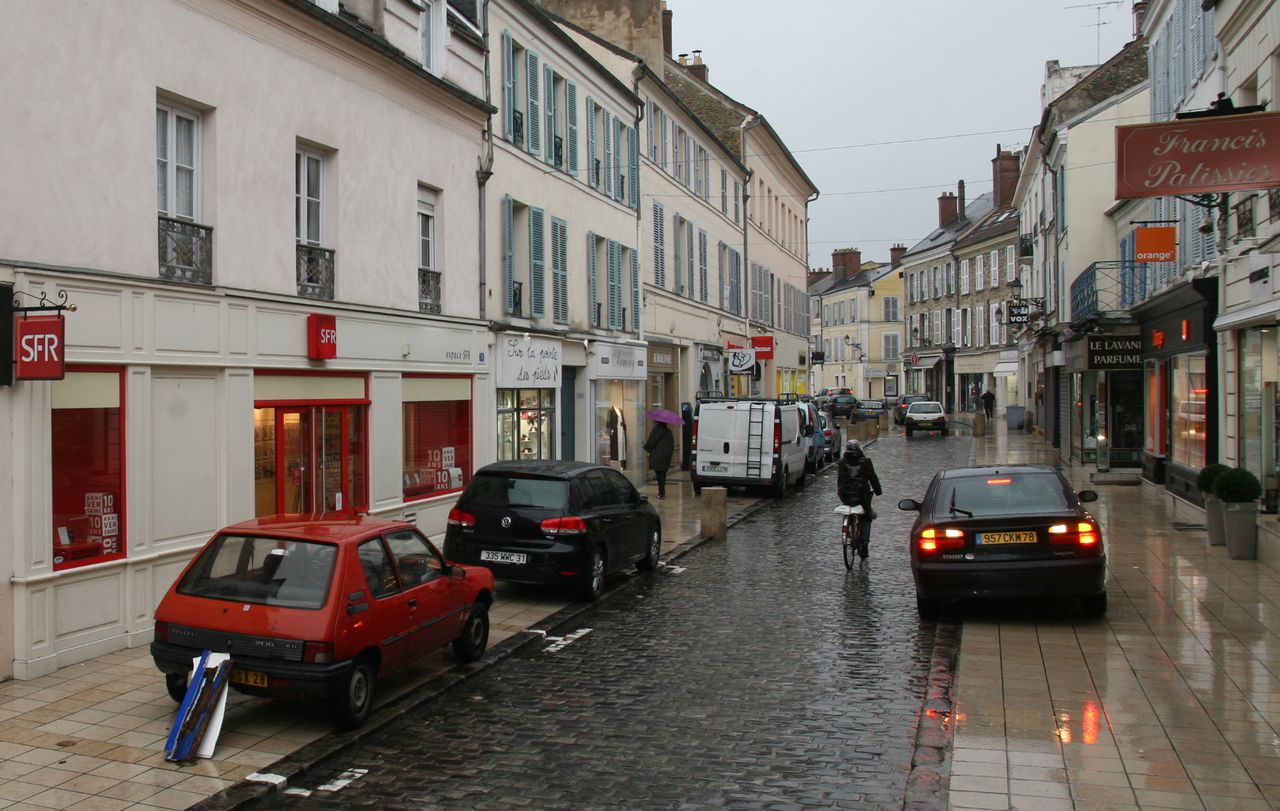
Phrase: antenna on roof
pixel 1097 7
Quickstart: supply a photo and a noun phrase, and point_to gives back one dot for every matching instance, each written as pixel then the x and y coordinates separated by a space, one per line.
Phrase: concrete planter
pixel 1240 523
pixel 1213 512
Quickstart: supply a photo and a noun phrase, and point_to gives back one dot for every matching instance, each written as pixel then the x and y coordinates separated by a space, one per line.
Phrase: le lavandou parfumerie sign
pixel 1198 156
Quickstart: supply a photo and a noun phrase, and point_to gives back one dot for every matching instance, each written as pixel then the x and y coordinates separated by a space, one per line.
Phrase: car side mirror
pixel 641 498
pixel 1087 495
pixel 456 572
pixel 909 504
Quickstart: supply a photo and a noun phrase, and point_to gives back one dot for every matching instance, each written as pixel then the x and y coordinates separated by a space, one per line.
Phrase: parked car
pixel 319 606
pixel 824 396
pixel 842 405
pixel 551 522
pixel 926 415
pixel 813 435
pixel 900 408
pixel 749 442
pixel 1010 531
pixel 832 437
pixel 869 409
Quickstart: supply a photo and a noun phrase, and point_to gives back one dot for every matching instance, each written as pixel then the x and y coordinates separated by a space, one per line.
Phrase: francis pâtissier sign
pixel 1113 352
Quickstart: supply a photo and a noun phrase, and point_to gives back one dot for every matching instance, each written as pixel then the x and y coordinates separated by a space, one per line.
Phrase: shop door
pixel 568 410
pixel 311 452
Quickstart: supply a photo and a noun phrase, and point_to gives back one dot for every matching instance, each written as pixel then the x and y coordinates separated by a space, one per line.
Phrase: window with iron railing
pixel 1245 222
pixel 186 251
pixel 315 272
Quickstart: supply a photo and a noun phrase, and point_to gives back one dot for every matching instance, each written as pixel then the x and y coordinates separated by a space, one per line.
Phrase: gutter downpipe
pixel 485 169
pixel 813 380
pixel 746 126
pixel 640 108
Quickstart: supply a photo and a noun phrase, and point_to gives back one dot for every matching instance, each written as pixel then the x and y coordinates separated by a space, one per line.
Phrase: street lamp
pixel 1016 287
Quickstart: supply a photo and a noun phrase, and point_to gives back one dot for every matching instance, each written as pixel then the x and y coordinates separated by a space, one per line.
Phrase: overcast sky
pixel 836 76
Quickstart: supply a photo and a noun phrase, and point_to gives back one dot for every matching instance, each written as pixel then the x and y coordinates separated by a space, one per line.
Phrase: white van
pixel 749 443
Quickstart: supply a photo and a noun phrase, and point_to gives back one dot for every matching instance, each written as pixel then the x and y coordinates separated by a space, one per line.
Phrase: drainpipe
pixel 746 126
pixel 485 169
pixel 635 88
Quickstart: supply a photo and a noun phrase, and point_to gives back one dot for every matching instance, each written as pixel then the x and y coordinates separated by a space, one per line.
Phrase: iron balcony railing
pixel 1117 285
pixel 428 291
pixel 315 272
pixel 186 251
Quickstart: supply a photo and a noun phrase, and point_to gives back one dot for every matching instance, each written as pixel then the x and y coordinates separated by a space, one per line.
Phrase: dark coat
pixel 660 445
pixel 857 480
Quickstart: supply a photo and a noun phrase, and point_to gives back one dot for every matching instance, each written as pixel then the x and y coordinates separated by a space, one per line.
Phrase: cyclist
pixel 855 483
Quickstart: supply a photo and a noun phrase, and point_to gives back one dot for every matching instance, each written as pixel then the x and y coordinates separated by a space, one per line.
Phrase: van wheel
pixel 355 699
pixel 176 684
pixel 475 635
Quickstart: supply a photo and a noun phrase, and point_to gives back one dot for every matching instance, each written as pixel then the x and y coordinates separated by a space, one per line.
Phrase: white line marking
pixel 563 642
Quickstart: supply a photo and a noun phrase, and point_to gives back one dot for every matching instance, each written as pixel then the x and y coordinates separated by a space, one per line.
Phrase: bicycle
pixel 850 533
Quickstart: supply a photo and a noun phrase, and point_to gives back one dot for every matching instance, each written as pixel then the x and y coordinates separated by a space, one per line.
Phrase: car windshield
pixel 924 408
pixel 267 571
pixel 497 490
pixel 1001 494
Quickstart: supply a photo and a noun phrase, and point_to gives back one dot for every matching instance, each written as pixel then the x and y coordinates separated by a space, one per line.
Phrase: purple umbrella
pixel 664 415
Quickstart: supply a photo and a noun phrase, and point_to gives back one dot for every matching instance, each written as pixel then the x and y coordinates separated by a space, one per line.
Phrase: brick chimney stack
pixel 698 68
pixel 846 263
pixel 666 28
pixel 1139 13
pixel 895 255
pixel 946 208
pixel 1004 177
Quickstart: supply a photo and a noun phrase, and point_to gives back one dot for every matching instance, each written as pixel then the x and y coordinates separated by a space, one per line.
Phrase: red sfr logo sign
pixel 39 348
pixel 322 336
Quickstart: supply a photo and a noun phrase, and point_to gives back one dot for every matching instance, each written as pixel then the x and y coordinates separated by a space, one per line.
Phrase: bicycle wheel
pixel 850 530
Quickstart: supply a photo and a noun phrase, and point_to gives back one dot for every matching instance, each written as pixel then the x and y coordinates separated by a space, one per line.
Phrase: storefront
pixel 618 374
pixel 664 386
pixel 710 370
pixel 1252 332
pixel 528 378
pixel 1180 368
pixel 924 375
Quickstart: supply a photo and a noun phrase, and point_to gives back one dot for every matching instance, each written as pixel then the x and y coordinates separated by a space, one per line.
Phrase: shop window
pixel 87 437
pixel 1156 399
pixel 437 436
pixel 526 424
pixel 1190 410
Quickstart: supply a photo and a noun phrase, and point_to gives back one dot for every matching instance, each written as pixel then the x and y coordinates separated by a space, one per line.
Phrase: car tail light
pixel 319 652
pixel 934 539
pixel 566 525
pixel 1082 533
pixel 458 518
pixel 777 437
pixel 694 445
pixel 162 631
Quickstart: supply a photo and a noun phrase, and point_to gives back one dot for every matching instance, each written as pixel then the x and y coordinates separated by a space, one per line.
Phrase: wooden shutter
pixel 591 279
pixel 549 101
pixel 509 252
pixel 571 127
pixel 722 272
pixel 614 255
pixel 533 116
pixel 635 291
pixel 606 165
pixel 559 271
pixel 689 262
pixel 633 168
pixel 648 119
pixel 675 151
pixel 537 263
pixel 659 245
pixel 508 87
pixel 593 177
pixel 702 266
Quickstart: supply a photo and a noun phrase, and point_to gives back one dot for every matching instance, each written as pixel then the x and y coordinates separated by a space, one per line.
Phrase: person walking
pixel 855 482
pixel 661 446
pixel 989 402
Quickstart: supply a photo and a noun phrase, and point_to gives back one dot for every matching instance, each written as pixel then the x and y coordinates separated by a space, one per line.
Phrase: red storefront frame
pixel 420 436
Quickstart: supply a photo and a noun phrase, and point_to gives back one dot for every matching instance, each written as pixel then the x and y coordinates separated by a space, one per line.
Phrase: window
pixel 737 191
pixel 379 575
pixel 431 28
pixel 265 571
pixel 724 192
pixel 995 268
pixel 1010 264
pixel 526 424
pixel 995 324
pixel 964 276
pixel 88 463
pixel 891 308
pixel 1189 395
pixel 891 346
pixel 429 276
pixel 436 422
pixel 951 279
pixel 966 328
pixel 659 245
pixel 177 145
pixel 308 191
pixel 979 335
pixel 560 141
pixel 559 271
pixel 979 272
pixel 416 559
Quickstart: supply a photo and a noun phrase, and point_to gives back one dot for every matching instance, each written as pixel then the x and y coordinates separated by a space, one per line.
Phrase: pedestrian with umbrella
pixel 661 445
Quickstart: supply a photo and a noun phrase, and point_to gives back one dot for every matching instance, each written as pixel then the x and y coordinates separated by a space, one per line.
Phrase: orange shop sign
pixel 1198 156
pixel 1158 244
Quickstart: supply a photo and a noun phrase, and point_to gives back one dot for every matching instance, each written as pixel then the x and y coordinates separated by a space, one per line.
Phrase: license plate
pixel 504 557
pixel 924 425
pixel 250 677
pixel 993 538
pixel 712 467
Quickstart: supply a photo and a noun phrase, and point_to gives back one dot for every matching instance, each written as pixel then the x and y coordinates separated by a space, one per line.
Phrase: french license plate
pixel 712 467
pixel 994 538
pixel 250 677
pixel 503 557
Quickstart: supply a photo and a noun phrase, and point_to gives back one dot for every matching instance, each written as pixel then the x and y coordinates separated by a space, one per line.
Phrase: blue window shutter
pixel 559 271
pixel 659 246
pixel 593 177
pixel 537 263
pixel 508 86
pixel 689 290
pixel 571 126
pixel 606 166
pixel 675 151
pixel 635 291
pixel 648 124
pixel 591 279
pixel 509 251
pixel 549 101
pixel 722 274
pixel 702 266
pixel 533 117
pixel 633 167
pixel 615 285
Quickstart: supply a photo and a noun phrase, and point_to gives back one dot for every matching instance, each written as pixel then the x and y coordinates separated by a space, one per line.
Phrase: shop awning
pixel 1264 313
pixel 1005 368
pixel 926 363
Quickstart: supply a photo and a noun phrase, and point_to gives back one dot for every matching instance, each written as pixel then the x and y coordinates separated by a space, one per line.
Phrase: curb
pixel 292 766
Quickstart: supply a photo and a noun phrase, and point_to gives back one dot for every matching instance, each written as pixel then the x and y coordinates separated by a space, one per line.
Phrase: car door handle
pixel 413 602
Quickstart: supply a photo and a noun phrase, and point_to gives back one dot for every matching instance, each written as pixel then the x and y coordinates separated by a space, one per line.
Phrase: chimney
pixel 846 263
pixel 666 28
pixel 960 202
pixel 683 60
pixel 698 68
pixel 895 255
pixel 946 208
pixel 1004 177
pixel 1139 15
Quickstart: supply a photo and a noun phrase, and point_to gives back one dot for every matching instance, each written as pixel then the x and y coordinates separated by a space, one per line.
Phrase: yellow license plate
pixel 993 538
pixel 250 677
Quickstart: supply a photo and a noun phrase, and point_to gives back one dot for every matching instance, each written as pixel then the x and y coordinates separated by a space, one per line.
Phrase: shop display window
pixel 87 438
pixel 1190 410
pixel 1250 419
pixel 1156 408
pixel 526 424
pixel 437 447
pixel 617 441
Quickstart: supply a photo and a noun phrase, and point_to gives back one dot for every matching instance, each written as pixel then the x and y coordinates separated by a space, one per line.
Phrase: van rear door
pixel 722 431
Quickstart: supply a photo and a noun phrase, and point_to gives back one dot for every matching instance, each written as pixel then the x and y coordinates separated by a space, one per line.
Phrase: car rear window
pixel 1002 494
pixel 924 408
pixel 496 490
pixel 872 404
pixel 268 571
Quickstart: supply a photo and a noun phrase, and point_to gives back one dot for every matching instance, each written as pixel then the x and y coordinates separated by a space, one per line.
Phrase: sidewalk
pixel 1172 701
pixel 91 736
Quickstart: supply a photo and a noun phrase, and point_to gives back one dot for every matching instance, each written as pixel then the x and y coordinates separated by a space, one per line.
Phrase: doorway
pixel 568 413
pixel 310 459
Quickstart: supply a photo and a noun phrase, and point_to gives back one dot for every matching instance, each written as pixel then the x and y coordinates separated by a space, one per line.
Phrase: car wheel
pixel 176 684
pixel 475 635
pixel 650 561
pixel 355 699
pixel 1094 605
pixel 928 608
pixel 593 583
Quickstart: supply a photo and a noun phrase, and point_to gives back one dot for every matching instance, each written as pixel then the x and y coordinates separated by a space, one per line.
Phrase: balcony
pixel 186 251
pixel 1109 287
pixel 428 291
pixel 315 272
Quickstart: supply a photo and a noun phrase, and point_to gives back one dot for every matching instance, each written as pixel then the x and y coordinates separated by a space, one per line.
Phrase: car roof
pixel 553 468
pixel 997 470
pixel 335 527
pixel 927 402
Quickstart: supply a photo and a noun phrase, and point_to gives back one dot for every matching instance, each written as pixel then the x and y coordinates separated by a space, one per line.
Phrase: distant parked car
pixel 869 409
pixel 832 436
pixel 843 405
pixel 824 396
pixel 926 415
pixel 815 450
pixel 900 409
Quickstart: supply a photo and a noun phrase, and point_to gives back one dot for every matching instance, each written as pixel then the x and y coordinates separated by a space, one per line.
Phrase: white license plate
pixel 712 467
pixel 503 557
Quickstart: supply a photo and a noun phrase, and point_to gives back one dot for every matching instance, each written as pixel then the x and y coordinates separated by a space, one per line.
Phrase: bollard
pixel 979 424
pixel 712 513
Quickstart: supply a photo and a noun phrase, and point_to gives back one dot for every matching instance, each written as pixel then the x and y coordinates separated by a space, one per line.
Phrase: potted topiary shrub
pixel 1212 504
pixel 1239 490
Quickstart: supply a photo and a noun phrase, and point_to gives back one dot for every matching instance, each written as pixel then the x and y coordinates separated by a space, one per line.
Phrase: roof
pixel 948 233
pixel 1126 69
pixel 995 224
pixel 335 527
pixel 541 467
pixel 870 273
pixel 552 24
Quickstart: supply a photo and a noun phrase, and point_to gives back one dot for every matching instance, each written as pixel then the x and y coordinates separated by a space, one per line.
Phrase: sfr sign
pixel 322 336
pixel 39 348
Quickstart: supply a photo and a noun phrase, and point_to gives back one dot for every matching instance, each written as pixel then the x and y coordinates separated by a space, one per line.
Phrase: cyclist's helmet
pixel 853 445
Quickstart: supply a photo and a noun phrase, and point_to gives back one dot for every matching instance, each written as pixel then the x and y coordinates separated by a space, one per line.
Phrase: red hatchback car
pixel 320 606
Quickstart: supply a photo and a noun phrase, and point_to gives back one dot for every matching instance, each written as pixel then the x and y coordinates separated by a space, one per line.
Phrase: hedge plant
pixel 1209 474
pixel 1237 485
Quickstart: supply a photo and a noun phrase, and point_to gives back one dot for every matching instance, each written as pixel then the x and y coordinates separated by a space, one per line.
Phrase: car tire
pixel 176 684
pixel 650 561
pixel 471 645
pixel 355 698
pixel 928 608
pixel 1094 605
pixel 593 578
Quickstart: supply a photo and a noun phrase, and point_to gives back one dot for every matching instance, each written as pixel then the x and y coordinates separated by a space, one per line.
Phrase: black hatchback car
pixel 1015 531
pixel 553 522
